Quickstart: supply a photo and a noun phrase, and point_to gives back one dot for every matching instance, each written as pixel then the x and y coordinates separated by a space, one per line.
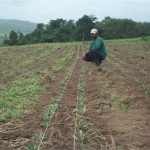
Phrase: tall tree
pixel 84 25
pixel 13 38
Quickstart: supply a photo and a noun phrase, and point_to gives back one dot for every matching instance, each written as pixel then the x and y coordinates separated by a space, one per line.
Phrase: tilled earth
pixel 117 104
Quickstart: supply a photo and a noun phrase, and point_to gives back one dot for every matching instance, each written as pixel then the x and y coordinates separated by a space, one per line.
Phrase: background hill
pixel 6 25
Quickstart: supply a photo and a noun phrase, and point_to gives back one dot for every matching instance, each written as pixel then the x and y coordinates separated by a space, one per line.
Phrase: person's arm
pixel 90 47
pixel 97 44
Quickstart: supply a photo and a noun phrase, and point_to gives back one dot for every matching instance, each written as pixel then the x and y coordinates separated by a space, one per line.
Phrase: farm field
pixel 51 100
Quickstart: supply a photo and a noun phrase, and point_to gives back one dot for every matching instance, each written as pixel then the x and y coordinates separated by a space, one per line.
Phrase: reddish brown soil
pixel 31 67
pixel 111 127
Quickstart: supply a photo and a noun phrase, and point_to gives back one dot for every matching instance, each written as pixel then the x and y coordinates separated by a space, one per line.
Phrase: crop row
pixel 50 110
pixel 21 96
pixel 144 85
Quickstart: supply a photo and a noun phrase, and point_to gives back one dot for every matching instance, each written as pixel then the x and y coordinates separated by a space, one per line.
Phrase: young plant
pixel 80 110
pixel 145 87
pixel 32 145
pixel 81 125
pixel 82 136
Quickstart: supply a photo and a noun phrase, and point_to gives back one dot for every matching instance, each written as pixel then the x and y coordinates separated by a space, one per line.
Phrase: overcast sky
pixel 42 11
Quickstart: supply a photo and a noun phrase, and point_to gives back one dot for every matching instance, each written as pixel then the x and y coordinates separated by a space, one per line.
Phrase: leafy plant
pixel 82 136
pixel 81 124
pixel 32 145
pixel 80 110
pixel 145 87
pixel 120 147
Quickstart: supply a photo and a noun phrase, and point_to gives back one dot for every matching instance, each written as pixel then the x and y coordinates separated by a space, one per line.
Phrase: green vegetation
pixel 1 40
pixel 113 98
pixel 144 86
pixel 51 108
pixel 61 30
pixel 21 95
pixel 23 56
pixel 126 41
pixel 82 131
pixel 120 147
pixel 59 62
pixel 6 25
pixel 20 98
pixel 27 71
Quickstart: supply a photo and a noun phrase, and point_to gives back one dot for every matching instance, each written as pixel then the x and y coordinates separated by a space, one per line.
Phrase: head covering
pixel 94 31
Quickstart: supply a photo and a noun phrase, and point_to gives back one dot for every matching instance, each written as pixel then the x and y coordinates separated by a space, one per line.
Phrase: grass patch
pixel 59 63
pixel 145 88
pixel 123 41
pixel 120 147
pixel 19 98
pixel 112 97
pixel 119 131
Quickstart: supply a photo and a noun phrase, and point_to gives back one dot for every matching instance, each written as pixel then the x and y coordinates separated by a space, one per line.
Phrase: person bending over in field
pixel 97 51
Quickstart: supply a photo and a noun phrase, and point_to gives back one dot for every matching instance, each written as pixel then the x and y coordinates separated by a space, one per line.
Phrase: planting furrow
pixel 56 101
pixel 141 79
pixel 81 129
pixel 140 65
pixel 34 120
pixel 125 108
pixel 136 56
pixel 59 134
pixel 31 67
pixel 134 50
pixel 94 128
pixel 23 56
pixel 63 85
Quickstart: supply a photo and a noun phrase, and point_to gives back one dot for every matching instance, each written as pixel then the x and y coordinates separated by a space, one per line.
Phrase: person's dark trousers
pixel 93 56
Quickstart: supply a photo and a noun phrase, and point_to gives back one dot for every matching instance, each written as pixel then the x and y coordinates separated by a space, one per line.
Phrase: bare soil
pixel 111 127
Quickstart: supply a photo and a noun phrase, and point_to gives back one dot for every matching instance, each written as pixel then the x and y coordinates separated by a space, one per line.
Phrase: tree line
pixel 61 30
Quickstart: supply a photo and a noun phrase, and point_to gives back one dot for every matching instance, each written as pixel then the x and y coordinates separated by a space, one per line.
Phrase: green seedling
pixel 41 137
pixel 112 95
pixel 32 145
pixel 81 125
pixel 120 147
pixel 83 136
pixel 49 111
pixel 124 107
pixel 22 94
pixel 80 110
pixel 121 131
pixel 145 87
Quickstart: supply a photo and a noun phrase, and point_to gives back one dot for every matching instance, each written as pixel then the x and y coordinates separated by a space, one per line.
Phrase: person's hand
pixel 83 56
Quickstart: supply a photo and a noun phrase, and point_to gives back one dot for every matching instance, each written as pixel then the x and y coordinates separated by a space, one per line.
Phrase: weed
pixel 59 63
pixel 121 131
pixel 125 107
pixel 81 124
pixel 82 136
pixel 145 87
pixel 112 95
pixel 120 147
pixel 32 145
pixel 41 137
pixel 49 111
pixel 80 110
pixel 20 96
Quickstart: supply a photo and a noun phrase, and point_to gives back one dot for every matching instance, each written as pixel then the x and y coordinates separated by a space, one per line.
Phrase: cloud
pixel 45 10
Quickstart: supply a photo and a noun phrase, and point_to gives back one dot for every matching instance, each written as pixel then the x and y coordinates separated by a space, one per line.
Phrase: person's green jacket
pixel 98 44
